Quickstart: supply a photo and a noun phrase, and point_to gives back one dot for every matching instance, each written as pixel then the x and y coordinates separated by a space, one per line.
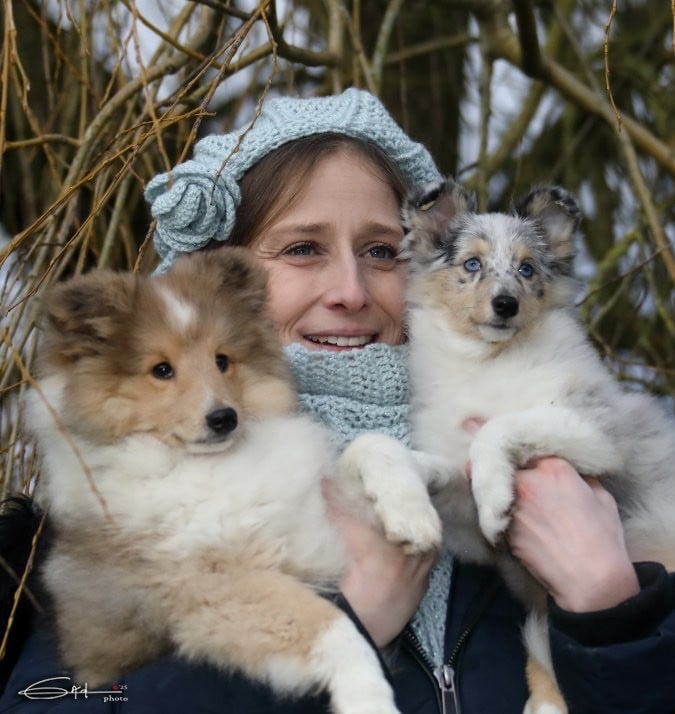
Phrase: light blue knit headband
pixel 197 200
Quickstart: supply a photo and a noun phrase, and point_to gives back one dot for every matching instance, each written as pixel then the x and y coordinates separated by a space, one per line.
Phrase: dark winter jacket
pixel 619 660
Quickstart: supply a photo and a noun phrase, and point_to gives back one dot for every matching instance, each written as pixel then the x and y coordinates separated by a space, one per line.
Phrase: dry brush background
pixel 96 96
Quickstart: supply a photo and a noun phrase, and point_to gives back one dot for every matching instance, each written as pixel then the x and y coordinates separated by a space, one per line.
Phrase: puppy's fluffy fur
pixel 493 336
pixel 185 493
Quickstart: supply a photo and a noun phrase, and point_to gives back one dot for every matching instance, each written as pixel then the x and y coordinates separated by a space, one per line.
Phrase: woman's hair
pixel 276 180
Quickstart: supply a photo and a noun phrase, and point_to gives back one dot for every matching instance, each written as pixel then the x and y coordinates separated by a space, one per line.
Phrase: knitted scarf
pixel 355 391
pixel 361 390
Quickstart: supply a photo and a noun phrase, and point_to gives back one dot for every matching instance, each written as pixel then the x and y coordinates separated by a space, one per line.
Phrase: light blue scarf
pixel 361 390
pixel 355 391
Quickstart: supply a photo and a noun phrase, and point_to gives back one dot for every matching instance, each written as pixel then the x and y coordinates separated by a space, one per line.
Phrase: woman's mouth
pixel 341 340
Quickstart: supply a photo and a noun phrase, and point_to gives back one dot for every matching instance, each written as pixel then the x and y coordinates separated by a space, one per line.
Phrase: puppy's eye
pixel 163 370
pixel 472 265
pixel 222 362
pixel 427 201
pixel 526 270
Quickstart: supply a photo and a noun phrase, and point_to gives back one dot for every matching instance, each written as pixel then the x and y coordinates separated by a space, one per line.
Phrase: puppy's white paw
pixel 543 708
pixel 347 665
pixel 493 491
pixel 390 476
pixel 368 694
pixel 410 520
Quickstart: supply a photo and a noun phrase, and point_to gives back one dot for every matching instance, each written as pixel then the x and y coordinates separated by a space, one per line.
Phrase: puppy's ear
pixel 427 214
pixel 232 272
pixel 83 313
pixel 556 214
pixel 242 271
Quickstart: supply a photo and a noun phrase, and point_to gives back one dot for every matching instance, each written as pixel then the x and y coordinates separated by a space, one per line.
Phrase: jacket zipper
pixel 442 676
pixel 445 676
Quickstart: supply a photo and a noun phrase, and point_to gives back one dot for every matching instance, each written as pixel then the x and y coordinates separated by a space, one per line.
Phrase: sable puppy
pixel 185 491
pixel 493 335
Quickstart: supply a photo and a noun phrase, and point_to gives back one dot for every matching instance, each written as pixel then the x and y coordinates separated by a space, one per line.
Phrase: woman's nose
pixel 345 285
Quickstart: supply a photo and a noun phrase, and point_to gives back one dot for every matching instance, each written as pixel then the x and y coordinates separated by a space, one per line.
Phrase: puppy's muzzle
pixel 222 421
pixel 505 306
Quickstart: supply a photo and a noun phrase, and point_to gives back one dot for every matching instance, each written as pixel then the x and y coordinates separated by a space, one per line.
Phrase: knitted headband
pixel 197 200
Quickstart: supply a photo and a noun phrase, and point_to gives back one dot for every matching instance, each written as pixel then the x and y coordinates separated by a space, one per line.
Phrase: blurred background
pixel 97 96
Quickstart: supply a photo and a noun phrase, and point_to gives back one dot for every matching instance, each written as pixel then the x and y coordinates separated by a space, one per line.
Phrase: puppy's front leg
pixel 274 629
pixel 378 474
pixel 510 441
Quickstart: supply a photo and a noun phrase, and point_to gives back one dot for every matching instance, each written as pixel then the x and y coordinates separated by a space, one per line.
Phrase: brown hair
pixel 273 183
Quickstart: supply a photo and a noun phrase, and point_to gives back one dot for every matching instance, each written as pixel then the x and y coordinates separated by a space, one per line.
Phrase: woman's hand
pixel 382 584
pixel 566 531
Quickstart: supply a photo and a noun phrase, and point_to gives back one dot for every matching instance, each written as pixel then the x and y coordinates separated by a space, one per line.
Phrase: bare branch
pixel 505 46
pixel 382 43
pixel 308 58
pixel 527 36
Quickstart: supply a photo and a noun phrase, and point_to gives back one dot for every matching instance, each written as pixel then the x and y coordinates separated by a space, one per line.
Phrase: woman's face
pixel 334 283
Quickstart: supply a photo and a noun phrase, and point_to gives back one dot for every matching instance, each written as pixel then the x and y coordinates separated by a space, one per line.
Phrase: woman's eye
pixel 526 270
pixel 472 265
pixel 382 252
pixel 301 249
pixel 163 370
pixel 222 362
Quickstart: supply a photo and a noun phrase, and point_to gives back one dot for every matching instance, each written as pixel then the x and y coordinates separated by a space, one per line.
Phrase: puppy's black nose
pixel 222 421
pixel 505 305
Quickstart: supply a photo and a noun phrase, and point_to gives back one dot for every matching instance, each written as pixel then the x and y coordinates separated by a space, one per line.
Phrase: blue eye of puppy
pixel 526 270
pixel 163 370
pixel 222 362
pixel 472 265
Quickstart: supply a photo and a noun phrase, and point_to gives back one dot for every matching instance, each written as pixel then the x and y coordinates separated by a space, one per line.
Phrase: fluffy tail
pixel 21 524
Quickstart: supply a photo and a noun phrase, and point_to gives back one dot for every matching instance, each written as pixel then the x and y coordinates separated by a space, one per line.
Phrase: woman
pixel 314 189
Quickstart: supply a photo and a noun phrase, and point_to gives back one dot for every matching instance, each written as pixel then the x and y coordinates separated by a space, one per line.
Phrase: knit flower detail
pixel 194 203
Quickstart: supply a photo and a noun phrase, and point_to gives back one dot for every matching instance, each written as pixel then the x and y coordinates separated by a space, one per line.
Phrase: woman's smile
pixel 340 341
